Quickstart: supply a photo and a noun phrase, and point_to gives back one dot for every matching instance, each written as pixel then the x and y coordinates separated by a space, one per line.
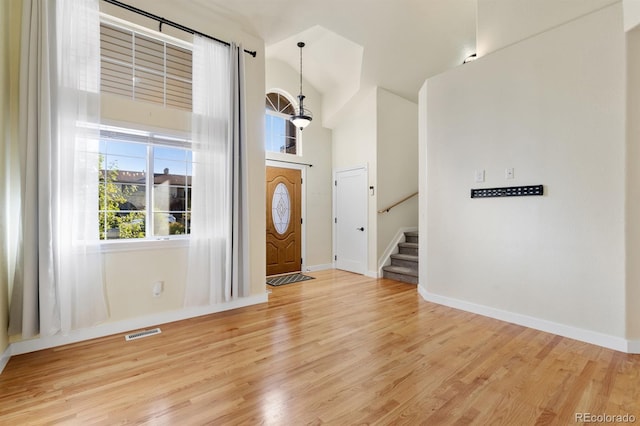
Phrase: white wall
pixel 354 144
pixel 633 184
pixel 397 174
pixel 129 286
pixel 316 150
pixel 557 115
pixel 501 23
pixel 631 14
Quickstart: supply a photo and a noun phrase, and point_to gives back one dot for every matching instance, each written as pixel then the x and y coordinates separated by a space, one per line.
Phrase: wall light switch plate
pixel 508 173
pixel 479 175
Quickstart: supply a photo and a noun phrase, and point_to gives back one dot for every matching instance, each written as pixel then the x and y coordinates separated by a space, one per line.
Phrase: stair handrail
pixel 386 210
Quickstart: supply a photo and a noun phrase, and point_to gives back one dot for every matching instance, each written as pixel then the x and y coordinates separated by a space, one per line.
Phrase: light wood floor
pixel 341 349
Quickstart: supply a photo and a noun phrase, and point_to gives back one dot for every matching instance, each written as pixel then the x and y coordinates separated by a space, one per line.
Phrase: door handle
pixel 360 229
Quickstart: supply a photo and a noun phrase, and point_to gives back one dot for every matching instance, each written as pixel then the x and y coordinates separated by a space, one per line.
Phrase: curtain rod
pixel 171 23
pixel 293 162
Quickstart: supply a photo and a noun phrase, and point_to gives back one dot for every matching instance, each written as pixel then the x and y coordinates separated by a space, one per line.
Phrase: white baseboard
pixel 588 336
pixel 109 329
pixel 633 347
pixel 4 358
pixel 371 274
pixel 314 268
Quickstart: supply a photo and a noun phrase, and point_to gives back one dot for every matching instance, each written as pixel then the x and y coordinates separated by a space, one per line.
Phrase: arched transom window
pixel 280 133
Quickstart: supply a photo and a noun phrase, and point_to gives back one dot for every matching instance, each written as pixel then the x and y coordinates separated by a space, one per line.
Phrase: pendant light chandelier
pixel 303 116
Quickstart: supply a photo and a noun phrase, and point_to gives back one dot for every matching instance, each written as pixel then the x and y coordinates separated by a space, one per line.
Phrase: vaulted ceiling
pixel 395 44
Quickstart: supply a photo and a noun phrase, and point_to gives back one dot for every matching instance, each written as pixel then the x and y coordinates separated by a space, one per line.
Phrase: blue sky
pixel 275 131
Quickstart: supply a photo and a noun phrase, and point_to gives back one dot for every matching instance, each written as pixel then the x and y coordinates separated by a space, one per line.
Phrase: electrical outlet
pixel 479 175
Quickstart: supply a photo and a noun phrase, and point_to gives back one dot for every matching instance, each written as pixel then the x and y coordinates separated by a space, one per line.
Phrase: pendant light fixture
pixel 303 117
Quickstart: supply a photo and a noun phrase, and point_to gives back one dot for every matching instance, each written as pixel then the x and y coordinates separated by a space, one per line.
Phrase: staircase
pixel 404 265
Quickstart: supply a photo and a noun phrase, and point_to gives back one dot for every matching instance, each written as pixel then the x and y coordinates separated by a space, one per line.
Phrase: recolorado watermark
pixel 604 418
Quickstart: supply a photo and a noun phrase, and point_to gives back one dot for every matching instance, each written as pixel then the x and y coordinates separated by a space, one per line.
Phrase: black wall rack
pixel 508 191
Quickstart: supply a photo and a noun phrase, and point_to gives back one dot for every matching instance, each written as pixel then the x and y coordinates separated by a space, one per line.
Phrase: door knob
pixel 360 229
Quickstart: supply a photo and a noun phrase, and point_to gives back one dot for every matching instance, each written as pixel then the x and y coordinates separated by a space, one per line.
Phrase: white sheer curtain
pixel 77 245
pixel 209 259
pixel 59 283
pixel 218 252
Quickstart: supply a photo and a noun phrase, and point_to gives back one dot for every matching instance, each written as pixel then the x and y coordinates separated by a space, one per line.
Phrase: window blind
pixel 144 68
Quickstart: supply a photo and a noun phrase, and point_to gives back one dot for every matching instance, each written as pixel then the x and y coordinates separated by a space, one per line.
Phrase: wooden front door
pixel 283 220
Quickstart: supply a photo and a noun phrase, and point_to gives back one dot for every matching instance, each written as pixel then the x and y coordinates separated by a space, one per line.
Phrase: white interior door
pixel 351 225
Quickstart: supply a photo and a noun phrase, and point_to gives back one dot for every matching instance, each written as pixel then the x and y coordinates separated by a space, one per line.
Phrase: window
pixel 145 68
pixel 144 177
pixel 144 184
pixel 281 134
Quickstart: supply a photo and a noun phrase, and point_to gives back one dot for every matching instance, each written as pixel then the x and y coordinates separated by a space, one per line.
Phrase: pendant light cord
pixel 301 96
pixel 301 66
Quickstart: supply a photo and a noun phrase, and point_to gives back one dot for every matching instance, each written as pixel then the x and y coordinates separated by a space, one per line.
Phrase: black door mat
pixel 288 279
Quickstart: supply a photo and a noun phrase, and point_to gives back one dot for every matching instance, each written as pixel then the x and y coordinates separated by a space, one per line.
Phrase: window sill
pixel 146 244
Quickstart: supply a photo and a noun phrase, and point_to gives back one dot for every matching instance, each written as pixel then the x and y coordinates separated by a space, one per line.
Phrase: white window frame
pixel 178 140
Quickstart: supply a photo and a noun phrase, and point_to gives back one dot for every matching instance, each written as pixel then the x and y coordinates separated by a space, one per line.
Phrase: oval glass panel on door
pixel 281 208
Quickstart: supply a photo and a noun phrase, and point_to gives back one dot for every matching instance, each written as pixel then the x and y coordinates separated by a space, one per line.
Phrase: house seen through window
pixel 145 186
pixel 280 133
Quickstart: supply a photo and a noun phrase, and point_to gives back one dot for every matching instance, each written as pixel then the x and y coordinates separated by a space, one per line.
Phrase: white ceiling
pixel 351 44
